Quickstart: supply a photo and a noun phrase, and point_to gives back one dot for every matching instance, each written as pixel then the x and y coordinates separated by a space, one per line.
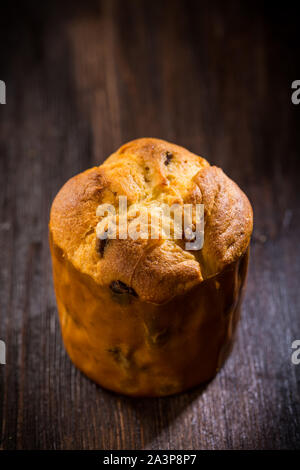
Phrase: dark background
pixel 84 77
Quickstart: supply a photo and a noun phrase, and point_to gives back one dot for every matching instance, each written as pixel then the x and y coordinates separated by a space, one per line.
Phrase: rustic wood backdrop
pixel 84 77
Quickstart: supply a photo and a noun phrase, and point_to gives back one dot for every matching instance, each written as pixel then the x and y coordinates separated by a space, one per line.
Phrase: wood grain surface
pixel 84 77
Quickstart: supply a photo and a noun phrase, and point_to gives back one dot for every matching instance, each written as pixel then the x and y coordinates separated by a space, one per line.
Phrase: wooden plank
pixel 82 79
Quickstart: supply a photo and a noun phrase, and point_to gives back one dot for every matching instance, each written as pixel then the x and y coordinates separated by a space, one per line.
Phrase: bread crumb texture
pixel 150 171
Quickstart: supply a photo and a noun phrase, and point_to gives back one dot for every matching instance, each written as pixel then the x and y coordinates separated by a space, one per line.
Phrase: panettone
pixel 148 317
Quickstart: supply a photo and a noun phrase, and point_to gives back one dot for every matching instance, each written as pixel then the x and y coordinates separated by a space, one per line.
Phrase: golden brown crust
pixel 228 220
pixel 147 170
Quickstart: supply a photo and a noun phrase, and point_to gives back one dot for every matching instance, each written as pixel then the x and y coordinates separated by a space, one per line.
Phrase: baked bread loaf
pixel 147 317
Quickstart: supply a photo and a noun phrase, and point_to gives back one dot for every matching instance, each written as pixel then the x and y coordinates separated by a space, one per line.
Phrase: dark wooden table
pixel 84 77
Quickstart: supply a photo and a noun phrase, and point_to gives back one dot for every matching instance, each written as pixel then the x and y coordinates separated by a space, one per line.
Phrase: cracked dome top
pixel 149 171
